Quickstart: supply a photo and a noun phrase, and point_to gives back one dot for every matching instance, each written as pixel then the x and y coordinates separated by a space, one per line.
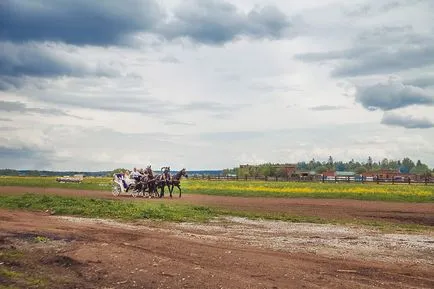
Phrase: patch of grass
pixel 8 287
pixel 9 274
pixel 18 279
pixel 102 208
pixel 41 239
pixel 10 255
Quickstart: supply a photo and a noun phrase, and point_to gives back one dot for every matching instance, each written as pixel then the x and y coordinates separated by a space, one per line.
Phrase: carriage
pixel 141 187
pixel 147 185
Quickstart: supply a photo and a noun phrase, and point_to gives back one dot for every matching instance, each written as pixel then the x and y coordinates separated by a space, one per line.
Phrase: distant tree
pixel 407 163
pixel 385 163
pixel 420 169
pixel 312 164
pixel 340 166
pixel 330 162
pixel 265 171
pixel 369 162
pixel 321 169
pixel 393 165
pixel 302 166
pixel 360 170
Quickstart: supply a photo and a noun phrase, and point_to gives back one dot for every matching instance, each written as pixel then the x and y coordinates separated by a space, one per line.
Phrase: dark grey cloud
pixel 327 107
pixel 17 106
pixel 23 158
pixel 10 82
pixel 77 22
pixel 40 38
pixel 217 22
pixel 386 49
pixel 44 60
pixel 406 121
pixel 392 95
pixel 352 53
pixel 422 82
pixel 386 61
pixel 367 60
pixel 379 8
pixel 5 119
pixel 83 22
pixel 138 103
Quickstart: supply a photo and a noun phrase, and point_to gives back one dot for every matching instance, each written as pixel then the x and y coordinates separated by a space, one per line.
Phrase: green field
pixel 383 192
pixel 129 210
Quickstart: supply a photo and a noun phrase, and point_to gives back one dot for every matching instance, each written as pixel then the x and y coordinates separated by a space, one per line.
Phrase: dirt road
pixel 411 213
pixel 67 252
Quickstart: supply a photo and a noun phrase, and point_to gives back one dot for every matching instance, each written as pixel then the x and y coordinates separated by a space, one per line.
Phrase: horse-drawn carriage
pixel 146 184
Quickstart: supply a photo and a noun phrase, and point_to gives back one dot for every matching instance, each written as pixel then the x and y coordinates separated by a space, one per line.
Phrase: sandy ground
pixel 228 252
pixel 411 213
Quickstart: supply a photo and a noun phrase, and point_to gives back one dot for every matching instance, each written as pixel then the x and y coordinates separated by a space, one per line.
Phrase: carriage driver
pixel 136 175
pixel 165 173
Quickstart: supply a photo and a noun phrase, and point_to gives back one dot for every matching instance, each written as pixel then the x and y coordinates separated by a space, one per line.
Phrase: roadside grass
pixel 370 192
pixel 102 208
pixel 131 210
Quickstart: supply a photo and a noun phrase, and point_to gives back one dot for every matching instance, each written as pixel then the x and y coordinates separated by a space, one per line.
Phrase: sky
pixel 206 84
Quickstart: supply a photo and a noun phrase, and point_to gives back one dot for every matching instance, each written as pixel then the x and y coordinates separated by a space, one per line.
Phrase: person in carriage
pixel 165 174
pixel 136 175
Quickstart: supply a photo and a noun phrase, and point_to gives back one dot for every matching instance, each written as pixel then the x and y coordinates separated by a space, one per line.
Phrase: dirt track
pixel 226 253
pixel 86 253
pixel 411 213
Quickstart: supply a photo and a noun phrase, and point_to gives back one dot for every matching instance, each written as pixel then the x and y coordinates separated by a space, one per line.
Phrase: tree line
pixel 404 166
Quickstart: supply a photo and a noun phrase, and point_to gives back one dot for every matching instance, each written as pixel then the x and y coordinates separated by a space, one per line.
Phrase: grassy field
pixel 383 192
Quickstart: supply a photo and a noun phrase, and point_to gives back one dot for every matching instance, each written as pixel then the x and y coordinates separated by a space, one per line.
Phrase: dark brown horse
pixel 151 181
pixel 176 181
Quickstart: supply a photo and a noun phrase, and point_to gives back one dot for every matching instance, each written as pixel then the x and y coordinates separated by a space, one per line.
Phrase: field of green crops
pixel 384 192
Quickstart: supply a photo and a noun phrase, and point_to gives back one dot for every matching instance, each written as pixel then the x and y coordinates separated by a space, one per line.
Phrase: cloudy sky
pixel 207 84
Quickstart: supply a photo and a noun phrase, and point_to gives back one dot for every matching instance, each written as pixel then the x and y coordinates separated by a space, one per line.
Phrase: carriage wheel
pixel 134 192
pixel 146 193
pixel 116 189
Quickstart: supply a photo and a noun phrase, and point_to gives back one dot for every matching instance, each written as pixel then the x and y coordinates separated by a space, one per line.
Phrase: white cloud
pixel 135 97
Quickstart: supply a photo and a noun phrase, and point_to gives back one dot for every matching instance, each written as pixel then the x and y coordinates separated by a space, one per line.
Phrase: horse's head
pixel 184 173
pixel 149 171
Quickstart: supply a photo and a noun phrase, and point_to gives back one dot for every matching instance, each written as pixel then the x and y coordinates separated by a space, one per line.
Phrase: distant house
pixel 339 176
pixel 394 175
